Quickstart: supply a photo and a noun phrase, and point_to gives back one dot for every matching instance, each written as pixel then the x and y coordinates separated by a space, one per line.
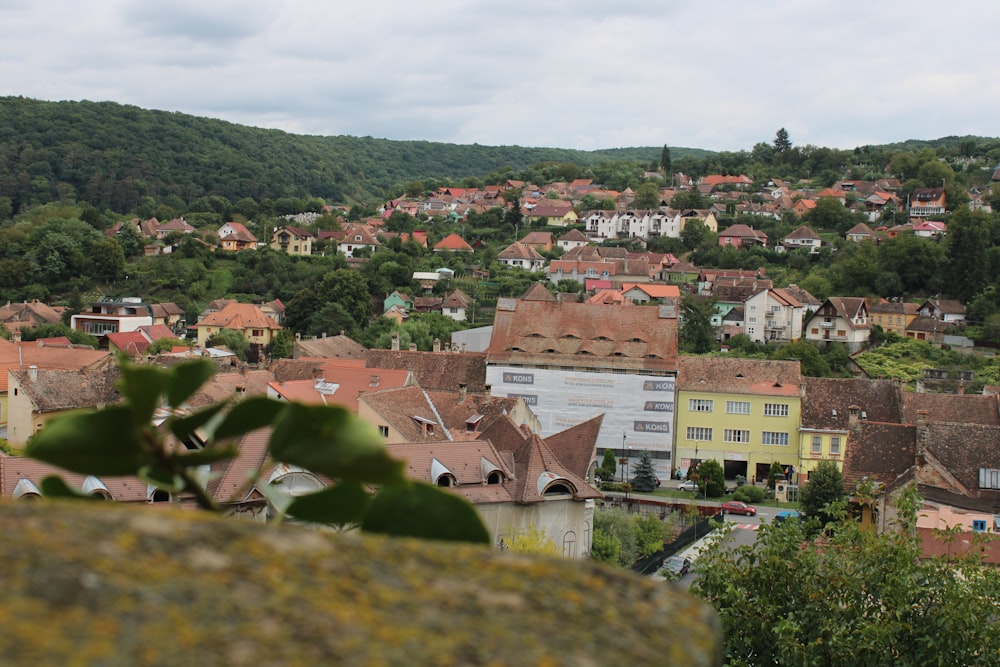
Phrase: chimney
pixel 374 381
pixel 33 373
pixel 15 336
pixel 437 344
pixel 395 342
pixel 461 392
pixel 488 389
pixel 298 336
pixel 413 347
pixel 318 374
pixel 324 334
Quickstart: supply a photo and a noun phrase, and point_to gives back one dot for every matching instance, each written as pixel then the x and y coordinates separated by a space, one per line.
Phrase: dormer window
pixel 447 479
pixel 495 477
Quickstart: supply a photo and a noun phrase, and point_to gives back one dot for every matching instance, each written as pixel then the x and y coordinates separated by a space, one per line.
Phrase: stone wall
pixel 100 584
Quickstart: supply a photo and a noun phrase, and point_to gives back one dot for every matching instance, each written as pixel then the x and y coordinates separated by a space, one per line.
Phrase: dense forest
pixel 117 157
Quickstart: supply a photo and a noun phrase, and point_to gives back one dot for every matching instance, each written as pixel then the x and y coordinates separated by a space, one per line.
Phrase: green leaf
pixel 184 427
pixel 161 478
pixel 424 511
pixel 54 486
pixel 186 378
pixel 329 440
pixel 249 415
pixel 206 456
pixel 341 504
pixel 142 387
pixel 105 442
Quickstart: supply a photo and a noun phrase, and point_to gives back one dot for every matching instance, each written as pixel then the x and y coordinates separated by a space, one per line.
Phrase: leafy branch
pixel 369 488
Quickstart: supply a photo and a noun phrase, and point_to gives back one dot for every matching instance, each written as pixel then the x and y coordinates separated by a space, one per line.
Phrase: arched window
pixel 495 477
pixel 558 490
pixel 569 544
pixel 447 479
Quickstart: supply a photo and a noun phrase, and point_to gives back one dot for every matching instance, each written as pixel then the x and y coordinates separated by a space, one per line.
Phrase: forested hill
pixel 112 156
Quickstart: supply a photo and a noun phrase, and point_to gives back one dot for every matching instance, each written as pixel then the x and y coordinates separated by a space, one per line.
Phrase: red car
pixel 736 507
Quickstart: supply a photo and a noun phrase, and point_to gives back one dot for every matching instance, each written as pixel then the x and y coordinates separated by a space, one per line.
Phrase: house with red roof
pixel 234 237
pixel 292 240
pixel 742 236
pixel 246 318
pixel 522 256
pixel 452 243
pixel 841 319
pixel 927 201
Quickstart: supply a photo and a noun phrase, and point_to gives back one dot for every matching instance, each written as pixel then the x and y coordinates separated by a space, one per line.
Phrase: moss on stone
pixel 96 584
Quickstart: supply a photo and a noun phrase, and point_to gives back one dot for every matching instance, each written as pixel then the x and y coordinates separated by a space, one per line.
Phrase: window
pixel 979 525
pixel 817 445
pixel 989 478
pixel 737 407
pixel 776 409
pixel 774 438
pixel 752 319
pixel 700 405
pixel 736 435
pixel 699 433
pixel 257 333
pixel 383 431
pixel 775 309
pixel 835 446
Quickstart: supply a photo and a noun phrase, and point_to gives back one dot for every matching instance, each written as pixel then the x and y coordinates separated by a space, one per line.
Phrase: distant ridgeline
pixel 112 155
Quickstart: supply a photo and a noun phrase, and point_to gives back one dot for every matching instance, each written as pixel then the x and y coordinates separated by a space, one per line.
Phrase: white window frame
pixel 835 445
pixel 776 409
pixel 817 445
pixel 737 407
pixel 774 438
pixel 700 404
pixel 738 435
pixel 702 433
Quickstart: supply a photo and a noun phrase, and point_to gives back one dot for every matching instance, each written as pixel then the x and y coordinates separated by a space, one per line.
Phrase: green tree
pixel 811 362
pixel 776 472
pixel 647 197
pixel 781 141
pixel 665 162
pixel 617 539
pixel 650 533
pixel 107 260
pixel 711 478
pixel 232 339
pixel 824 487
pixel 696 333
pixel 533 540
pixel 608 469
pixel 645 473
pixel 282 345
pixel 852 598
pixel 968 242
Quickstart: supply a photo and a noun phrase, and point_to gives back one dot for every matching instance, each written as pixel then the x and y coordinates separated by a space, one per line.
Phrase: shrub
pixel 749 494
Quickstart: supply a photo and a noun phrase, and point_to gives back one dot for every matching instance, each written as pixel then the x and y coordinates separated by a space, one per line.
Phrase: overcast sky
pixel 721 75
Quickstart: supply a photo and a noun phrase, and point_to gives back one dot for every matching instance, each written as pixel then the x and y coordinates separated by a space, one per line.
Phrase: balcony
pixel 826 325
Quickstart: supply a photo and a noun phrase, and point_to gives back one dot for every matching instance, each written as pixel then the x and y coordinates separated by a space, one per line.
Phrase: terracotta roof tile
pixel 739 376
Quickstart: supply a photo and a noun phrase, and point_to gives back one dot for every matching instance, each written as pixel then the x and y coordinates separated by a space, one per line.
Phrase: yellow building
pixel 248 319
pixel 893 316
pixel 744 413
pixel 292 240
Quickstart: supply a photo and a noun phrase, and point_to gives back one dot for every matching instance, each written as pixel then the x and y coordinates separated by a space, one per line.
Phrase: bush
pixel 749 494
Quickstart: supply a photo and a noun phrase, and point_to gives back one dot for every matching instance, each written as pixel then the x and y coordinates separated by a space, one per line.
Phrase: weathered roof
pixel 739 376
pixel 56 390
pixel 239 316
pixel 340 346
pixel 578 334
pixel 827 402
pixel 538 292
pixel 967 408
pixel 20 357
pixel 436 370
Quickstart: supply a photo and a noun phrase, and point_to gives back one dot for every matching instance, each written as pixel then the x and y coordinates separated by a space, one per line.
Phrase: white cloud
pixel 721 75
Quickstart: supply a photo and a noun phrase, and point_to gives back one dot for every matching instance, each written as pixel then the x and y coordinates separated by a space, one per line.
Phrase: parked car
pixel 787 515
pixel 737 507
pixel 677 565
pixel 688 485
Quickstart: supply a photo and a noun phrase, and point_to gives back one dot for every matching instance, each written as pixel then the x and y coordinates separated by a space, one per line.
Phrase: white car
pixel 688 485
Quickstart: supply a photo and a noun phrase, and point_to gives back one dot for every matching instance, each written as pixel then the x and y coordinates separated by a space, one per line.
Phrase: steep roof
pixel 967 408
pixel 519 251
pixel 739 376
pixel 466 415
pixel 340 346
pixel 436 370
pixel 469 461
pixel 803 233
pixel 537 292
pixel 453 242
pixel 574 235
pixel 576 334
pixel 14 469
pixel 56 390
pixel 239 316
pixel 536 465
pixel 340 385
pixel 828 402
pixel 20 357
pixel 409 411
pixel 879 452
